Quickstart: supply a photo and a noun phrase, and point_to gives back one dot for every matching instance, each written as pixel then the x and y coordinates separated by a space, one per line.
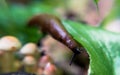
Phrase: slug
pixel 52 25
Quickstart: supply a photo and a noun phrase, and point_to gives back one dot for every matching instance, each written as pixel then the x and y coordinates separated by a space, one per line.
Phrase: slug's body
pixel 52 25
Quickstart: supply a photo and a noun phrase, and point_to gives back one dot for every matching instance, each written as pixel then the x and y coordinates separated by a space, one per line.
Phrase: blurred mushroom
pixel 8 45
pixel 30 64
pixel 29 60
pixel 29 49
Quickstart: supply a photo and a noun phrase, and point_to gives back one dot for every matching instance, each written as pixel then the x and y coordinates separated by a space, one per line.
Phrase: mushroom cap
pixel 29 60
pixel 9 43
pixel 29 49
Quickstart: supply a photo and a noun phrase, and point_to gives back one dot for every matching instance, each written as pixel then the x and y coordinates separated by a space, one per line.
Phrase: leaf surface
pixel 102 46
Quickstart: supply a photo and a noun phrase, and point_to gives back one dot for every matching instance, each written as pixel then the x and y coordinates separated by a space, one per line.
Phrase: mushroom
pixel 30 64
pixel 29 51
pixel 8 45
pixel 29 60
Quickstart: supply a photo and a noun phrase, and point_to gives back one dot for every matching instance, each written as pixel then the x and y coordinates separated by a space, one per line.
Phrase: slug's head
pixel 41 19
pixel 33 21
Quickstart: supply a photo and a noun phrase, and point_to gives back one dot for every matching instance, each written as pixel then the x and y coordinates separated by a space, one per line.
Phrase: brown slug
pixel 52 25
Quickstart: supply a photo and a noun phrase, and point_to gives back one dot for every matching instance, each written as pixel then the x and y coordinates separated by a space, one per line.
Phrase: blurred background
pixel 39 53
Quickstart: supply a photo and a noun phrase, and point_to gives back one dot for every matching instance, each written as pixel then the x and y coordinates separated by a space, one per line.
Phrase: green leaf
pixel 102 46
